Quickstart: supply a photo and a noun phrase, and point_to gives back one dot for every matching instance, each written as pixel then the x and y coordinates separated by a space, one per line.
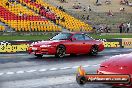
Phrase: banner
pixel 127 42
pixel 112 43
pixel 14 46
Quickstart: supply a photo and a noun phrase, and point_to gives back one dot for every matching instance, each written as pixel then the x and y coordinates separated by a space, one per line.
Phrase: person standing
pixel 128 27
pixel 97 1
pixel 89 8
pixel 121 27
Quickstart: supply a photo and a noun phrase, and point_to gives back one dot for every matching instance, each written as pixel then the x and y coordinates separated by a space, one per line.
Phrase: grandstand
pixel 21 18
pixel 37 15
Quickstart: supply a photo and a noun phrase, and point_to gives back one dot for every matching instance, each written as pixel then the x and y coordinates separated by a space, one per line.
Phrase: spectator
pixel 122 9
pixel 121 27
pixel 110 13
pixel 97 1
pixel 77 6
pixel 107 29
pixel 124 27
pixel 33 1
pixel 89 8
pixel 7 4
pixel 130 4
pixel 62 1
pixel 128 27
pixel 83 17
pixel 88 17
pixel 126 2
pixel 25 16
pixel 63 19
pixel 61 8
pixel 108 1
pixel 122 2
pixel 84 9
pixel 20 14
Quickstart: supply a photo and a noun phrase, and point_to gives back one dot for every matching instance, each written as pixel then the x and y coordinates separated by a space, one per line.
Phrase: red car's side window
pixel 78 37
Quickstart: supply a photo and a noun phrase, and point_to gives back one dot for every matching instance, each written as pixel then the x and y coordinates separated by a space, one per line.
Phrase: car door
pixel 87 43
pixel 78 44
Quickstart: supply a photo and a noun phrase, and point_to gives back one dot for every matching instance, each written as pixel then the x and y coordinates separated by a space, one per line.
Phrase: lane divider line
pixel 65 68
pixel 20 72
pixel 53 69
pixel 10 73
pixel 43 70
pixel 86 66
pixel 31 71
pixel 1 74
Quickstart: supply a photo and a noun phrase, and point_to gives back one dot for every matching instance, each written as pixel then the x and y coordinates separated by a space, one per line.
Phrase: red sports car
pixel 67 43
pixel 119 64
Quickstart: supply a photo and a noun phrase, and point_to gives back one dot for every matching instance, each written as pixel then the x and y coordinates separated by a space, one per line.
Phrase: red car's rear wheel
pixel 60 51
pixel 94 50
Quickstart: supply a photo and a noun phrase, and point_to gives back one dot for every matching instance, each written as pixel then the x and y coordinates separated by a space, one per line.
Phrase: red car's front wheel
pixel 60 51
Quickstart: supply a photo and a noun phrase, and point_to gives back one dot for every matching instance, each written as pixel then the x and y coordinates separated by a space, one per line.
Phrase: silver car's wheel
pixel 60 51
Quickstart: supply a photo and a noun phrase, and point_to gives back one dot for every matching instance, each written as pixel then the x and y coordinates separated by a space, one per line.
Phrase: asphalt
pixel 26 71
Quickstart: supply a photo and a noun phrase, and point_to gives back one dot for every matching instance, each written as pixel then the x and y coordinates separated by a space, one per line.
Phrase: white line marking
pixel 86 66
pixel 1 74
pixel 75 67
pixel 20 72
pixel 53 69
pixel 42 70
pixel 65 68
pixel 10 73
pixel 95 65
pixel 31 71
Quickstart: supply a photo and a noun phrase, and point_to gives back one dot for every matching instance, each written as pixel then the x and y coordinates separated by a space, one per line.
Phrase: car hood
pixel 119 62
pixel 39 43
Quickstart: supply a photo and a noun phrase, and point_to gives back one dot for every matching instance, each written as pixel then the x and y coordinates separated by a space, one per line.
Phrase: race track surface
pixel 27 71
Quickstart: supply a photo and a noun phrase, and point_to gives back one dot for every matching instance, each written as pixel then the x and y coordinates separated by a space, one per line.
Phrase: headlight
pixel 45 46
pixel 31 45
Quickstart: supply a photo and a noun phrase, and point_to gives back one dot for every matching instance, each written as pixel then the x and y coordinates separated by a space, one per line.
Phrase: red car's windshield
pixel 62 36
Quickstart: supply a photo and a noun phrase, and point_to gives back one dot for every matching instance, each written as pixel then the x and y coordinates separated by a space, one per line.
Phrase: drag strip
pixel 19 69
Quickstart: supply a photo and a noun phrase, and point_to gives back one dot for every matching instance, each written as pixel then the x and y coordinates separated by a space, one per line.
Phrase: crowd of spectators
pixel 126 2
pixel 104 29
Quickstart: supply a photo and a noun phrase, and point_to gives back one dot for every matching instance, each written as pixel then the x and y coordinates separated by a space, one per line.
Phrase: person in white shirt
pixel 128 27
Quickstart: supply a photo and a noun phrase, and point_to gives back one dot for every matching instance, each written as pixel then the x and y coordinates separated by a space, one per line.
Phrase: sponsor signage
pixel 112 43
pixel 14 46
pixel 127 42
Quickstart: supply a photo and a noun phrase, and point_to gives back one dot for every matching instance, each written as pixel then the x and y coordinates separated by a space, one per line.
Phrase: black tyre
pixel 38 55
pixel 60 51
pixel 94 50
